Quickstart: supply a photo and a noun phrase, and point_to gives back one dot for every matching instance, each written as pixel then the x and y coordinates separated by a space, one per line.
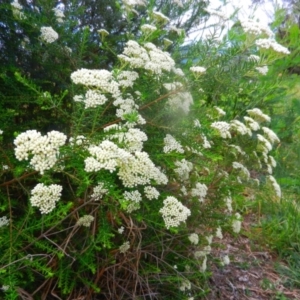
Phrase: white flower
pixel 45 197
pixel 159 17
pixel 263 144
pixel 98 191
pixel 183 169
pixel 204 265
pixel 124 247
pixel 251 123
pixel 270 135
pixel 134 198
pixel 4 288
pixel 262 70
pixel 198 70
pixel 236 224
pixel 151 192
pixel 1 131
pixel 45 149
pixel 185 285
pixel 103 32
pixel 148 28
pixel 58 14
pixel 272 181
pixel 127 78
pixel 220 111
pixel 209 239
pixel 225 260
pixel 223 129
pixel 194 238
pixel 85 221
pixel 172 145
pixel 245 172
pixel 199 191
pixel 121 230
pixel 101 79
pixel 228 202
pixel 258 115
pixel 252 27
pixel 48 34
pixel 253 58
pixel 206 250
pixel 239 127
pixel 271 44
pixel 94 98
pixel 134 2
pixel 173 212
pixel 219 233
pixel 78 140
pixel 4 221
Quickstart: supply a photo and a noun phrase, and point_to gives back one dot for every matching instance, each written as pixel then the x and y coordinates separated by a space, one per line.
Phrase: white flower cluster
pixel 263 144
pixel 228 202
pixel 270 135
pixel 219 111
pixel 240 127
pixel 185 285
pixel 106 155
pixel 271 180
pixel 134 169
pixel 101 79
pixel 103 32
pixel 258 115
pixel 78 140
pixel 48 34
pixel 198 70
pixel 127 78
pixel 45 197
pixel 124 247
pixel 194 238
pixel 252 27
pixel 134 2
pixel 58 14
pixel 140 170
pixel 126 107
pixel 159 17
pixel 85 221
pixel 16 10
pixel 170 144
pixel 151 192
pixel 253 58
pixel 200 191
pixel 262 70
pixel 223 129
pixel 219 233
pixel 253 125
pixel 99 191
pixel 5 288
pixel 244 171
pixel 121 230
pixel 183 169
pixel 174 212
pixel 148 28
pixel 132 140
pixel 4 221
pixel 94 98
pixel 148 57
pixel 134 198
pixel 45 149
pixel 271 44
pixel 225 260
pixel 236 223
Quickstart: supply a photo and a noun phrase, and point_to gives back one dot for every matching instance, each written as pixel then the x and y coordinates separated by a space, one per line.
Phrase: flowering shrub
pixel 143 181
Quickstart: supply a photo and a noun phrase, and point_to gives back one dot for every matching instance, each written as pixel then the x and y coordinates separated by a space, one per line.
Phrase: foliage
pixel 122 168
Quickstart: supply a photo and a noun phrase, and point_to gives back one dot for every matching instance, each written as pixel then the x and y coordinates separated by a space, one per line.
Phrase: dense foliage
pixel 125 156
